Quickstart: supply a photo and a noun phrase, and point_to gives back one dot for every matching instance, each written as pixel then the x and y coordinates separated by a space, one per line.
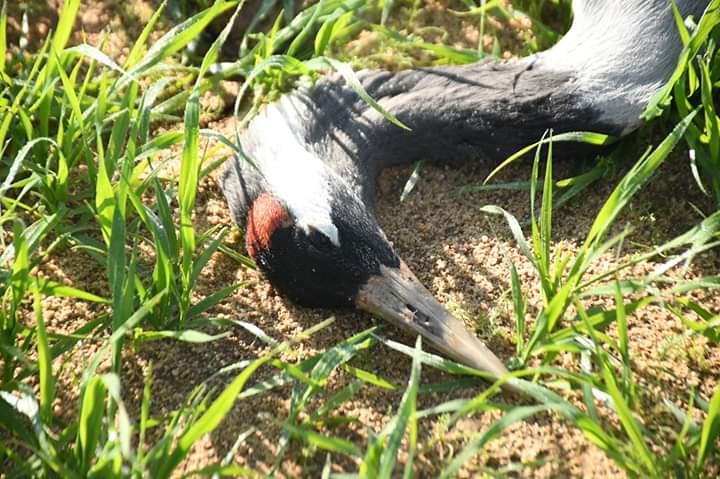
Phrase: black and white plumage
pixel 307 206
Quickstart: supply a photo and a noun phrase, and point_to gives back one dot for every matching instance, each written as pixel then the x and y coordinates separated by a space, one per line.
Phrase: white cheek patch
pixel 328 230
pixel 296 176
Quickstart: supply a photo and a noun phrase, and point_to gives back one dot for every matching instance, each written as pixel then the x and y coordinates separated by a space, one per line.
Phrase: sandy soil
pixel 459 254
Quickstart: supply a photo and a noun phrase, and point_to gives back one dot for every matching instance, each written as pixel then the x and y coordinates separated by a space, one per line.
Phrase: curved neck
pixel 599 77
pixel 486 110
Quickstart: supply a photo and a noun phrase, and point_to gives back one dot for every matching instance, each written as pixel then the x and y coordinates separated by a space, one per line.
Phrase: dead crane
pixel 306 204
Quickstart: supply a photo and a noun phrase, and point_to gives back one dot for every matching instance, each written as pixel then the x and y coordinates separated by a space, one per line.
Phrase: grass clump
pixel 83 142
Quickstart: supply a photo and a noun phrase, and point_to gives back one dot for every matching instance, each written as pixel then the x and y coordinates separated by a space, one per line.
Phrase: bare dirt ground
pixel 459 253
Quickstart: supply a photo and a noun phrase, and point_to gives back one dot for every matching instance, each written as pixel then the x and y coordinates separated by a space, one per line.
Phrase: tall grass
pixel 76 120
pixel 81 161
pixel 691 87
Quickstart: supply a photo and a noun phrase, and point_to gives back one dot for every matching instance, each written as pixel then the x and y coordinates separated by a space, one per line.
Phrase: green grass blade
pixel 628 421
pixel 211 300
pixel 20 275
pixel 65 24
pixel 186 335
pixel 622 325
pixel 590 138
pixel 111 381
pixel 324 36
pixel 518 307
pixel 326 443
pixel 546 216
pixel 632 182
pixel 69 91
pixel 408 473
pixel 178 37
pixel 369 377
pixel 435 361
pixel 660 99
pixel 680 24
pixel 104 199
pixel 3 36
pixel 20 158
pixel 710 431
pixel 515 229
pixel 136 52
pixel 222 470
pixel 411 182
pixel 47 381
pixel 189 169
pixel 98 56
pixel 144 418
pixel 406 415
pixel 334 401
pixel 202 260
pixel 711 118
pixel 387 9
pixel 90 424
pixel 209 420
pixel 116 264
pixel 354 83
pixel 60 39
pixel 190 165
pixel 495 429
pixel 302 37
pixel 121 331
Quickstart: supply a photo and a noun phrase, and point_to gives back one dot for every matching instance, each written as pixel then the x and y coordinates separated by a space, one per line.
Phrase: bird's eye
pixel 319 240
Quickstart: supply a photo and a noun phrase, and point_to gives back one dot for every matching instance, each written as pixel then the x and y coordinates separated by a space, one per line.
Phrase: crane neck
pixel 599 77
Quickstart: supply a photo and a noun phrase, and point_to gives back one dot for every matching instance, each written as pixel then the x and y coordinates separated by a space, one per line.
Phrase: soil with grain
pixel 460 254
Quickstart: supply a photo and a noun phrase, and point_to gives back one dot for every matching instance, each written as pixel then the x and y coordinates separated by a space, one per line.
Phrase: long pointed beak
pixel 397 296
